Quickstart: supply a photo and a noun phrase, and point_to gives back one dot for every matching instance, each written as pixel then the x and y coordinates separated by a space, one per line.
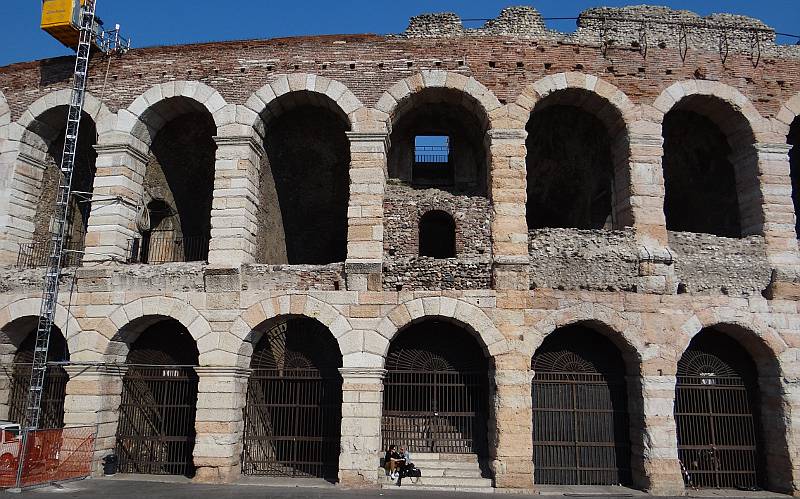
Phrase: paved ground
pixel 148 489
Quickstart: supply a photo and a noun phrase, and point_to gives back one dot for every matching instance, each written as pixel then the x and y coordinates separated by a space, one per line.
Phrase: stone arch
pixel 742 126
pixel 476 96
pixel 605 106
pixel 30 307
pixel 141 119
pixel 622 332
pixel 788 112
pixel 464 314
pixel 761 341
pixel 29 127
pixel 126 322
pixel 323 91
pixel 772 358
pixel 241 333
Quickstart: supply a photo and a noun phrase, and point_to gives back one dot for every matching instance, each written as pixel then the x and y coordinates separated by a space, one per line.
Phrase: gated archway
pixel 155 434
pixel 716 400
pixel 292 419
pixel 55 380
pixel 580 410
pixel 435 395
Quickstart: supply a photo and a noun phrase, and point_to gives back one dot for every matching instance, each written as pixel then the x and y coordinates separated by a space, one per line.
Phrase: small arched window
pixel 437 235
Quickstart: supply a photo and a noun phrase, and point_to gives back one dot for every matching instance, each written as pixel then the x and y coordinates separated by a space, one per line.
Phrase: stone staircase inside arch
pixel 446 472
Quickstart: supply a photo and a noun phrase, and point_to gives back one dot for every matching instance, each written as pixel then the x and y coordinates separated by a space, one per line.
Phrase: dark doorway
pixel 570 169
pixel 699 178
pixel 437 235
pixel 156 433
pixel 55 381
pixel 716 401
pixel 293 415
pixel 436 391
pixel 580 410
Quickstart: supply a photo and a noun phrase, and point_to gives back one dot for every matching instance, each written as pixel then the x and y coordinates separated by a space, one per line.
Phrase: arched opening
pixel 580 410
pixel 50 131
pixel 794 162
pixel 571 161
pixel 435 397
pixel 439 141
pixel 305 181
pixel 178 183
pixel 156 432
pixel 292 418
pixel 23 331
pixel 437 235
pixel 717 414
pixel 709 169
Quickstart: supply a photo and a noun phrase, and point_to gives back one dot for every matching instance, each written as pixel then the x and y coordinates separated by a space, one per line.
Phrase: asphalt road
pixel 123 489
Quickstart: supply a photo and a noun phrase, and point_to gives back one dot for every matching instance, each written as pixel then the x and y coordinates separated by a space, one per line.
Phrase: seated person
pixel 392 461
pixel 406 466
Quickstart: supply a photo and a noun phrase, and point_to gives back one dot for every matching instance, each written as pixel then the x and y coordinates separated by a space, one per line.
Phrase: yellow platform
pixel 61 19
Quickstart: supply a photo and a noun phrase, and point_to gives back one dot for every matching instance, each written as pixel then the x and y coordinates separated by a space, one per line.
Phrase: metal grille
pixel 156 420
pixel 294 403
pixel 53 395
pixel 436 392
pixel 155 433
pixel 34 255
pixel 716 425
pixel 580 423
pixel 155 248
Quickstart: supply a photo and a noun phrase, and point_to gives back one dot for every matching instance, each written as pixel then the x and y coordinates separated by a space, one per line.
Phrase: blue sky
pixel 169 22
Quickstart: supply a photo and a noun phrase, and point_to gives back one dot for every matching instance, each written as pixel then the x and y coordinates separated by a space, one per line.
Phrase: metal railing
pixel 432 154
pixel 155 249
pixel 34 255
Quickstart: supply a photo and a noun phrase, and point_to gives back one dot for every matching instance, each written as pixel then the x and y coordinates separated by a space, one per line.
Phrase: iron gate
pixel 155 432
pixel 55 381
pixel 580 422
pixel 292 417
pixel 715 422
pixel 435 393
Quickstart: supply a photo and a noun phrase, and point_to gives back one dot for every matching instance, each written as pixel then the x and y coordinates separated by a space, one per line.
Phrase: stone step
pixel 451 472
pixel 445 457
pixel 441 481
pixel 445 464
pixel 431 488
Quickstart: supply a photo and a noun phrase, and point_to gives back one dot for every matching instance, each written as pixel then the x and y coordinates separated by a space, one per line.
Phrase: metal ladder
pixel 60 217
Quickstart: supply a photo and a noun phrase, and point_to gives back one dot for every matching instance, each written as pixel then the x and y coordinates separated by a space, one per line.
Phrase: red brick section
pixel 369 64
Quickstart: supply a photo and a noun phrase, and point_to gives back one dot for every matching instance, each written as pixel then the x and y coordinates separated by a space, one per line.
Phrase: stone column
pixel 116 199
pixel 778 405
pixel 654 442
pixel 773 205
pixel 93 395
pixel 365 210
pixel 219 423
pixel 234 224
pixel 508 191
pixel 510 427
pixel 19 194
pixel 644 207
pixel 362 406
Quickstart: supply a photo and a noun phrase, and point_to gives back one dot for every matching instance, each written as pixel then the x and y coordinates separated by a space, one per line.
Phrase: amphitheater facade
pixel 571 258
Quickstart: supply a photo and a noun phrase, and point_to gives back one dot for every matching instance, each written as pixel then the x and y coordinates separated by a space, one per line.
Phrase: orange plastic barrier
pixel 52 456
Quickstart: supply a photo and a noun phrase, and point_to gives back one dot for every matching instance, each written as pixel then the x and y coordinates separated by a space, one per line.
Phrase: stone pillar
pixel 508 191
pixel 19 195
pixel 362 406
pixel 93 395
pixel 778 405
pixel 234 224
pixel 219 423
pixel 644 208
pixel 654 442
pixel 116 199
pixel 511 431
pixel 774 207
pixel 368 172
